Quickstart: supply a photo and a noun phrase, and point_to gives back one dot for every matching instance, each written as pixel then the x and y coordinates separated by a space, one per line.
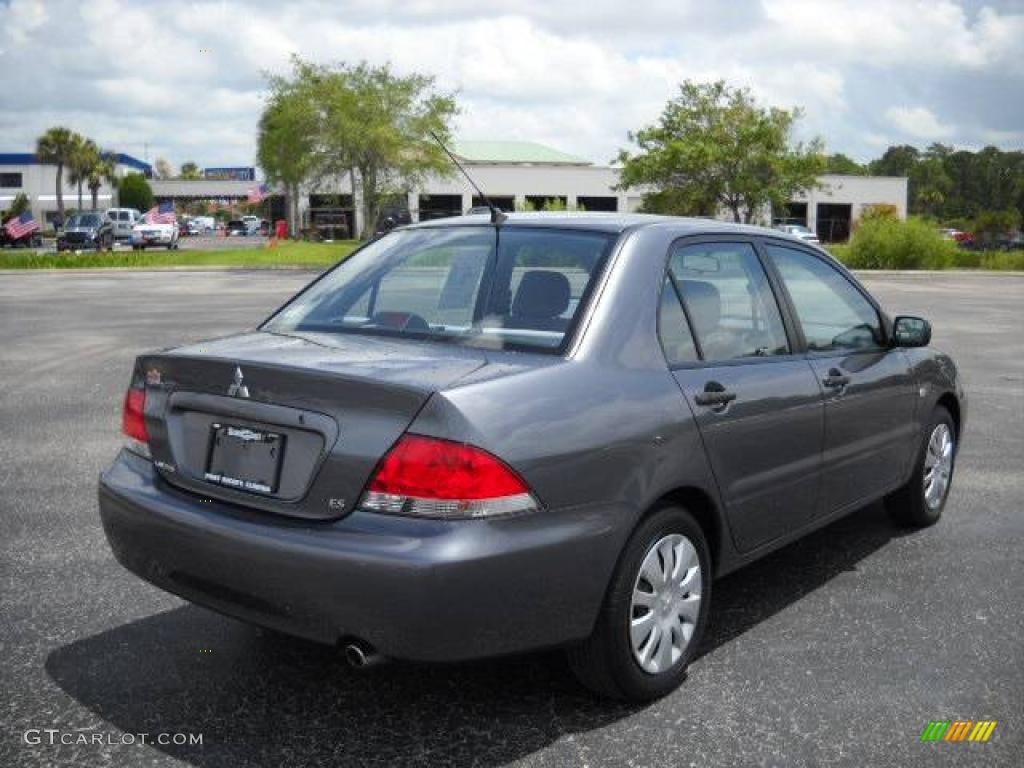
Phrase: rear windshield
pixel 453 285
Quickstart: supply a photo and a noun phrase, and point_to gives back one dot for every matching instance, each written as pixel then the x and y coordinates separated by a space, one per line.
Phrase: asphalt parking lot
pixel 837 650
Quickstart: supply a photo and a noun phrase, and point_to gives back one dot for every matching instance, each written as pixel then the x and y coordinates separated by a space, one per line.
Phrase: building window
pixel 10 180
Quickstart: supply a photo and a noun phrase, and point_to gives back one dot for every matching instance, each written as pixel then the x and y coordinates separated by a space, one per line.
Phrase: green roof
pixel 514 152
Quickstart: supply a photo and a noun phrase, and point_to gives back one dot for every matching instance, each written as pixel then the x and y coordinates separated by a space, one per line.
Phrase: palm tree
pixel 55 148
pixel 84 155
pixel 103 170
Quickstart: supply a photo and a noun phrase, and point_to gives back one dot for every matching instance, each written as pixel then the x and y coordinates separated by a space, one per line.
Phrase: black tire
pixel 604 662
pixel 909 505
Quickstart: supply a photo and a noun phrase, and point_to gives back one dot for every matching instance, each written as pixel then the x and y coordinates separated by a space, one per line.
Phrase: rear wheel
pixel 920 502
pixel 654 614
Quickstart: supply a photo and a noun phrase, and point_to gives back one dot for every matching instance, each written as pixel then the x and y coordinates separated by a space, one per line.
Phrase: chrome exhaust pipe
pixel 359 656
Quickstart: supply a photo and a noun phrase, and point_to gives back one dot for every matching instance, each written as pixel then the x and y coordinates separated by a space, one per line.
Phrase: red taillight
pixel 440 478
pixel 133 421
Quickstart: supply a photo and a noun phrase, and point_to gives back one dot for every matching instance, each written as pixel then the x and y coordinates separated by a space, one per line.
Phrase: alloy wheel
pixel 938 465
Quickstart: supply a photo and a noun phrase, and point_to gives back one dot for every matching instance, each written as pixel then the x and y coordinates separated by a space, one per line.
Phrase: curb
pixel 170 268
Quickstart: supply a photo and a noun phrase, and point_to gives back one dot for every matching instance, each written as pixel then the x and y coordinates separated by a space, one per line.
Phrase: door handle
pixel 835 378
pixel 714 395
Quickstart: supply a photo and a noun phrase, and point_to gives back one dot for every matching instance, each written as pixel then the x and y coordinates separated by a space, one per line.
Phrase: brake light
pixel 428 477
pixel 133 420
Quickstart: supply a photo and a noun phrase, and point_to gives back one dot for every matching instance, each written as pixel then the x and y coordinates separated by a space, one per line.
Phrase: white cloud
pixel 919 122
pixel 576 75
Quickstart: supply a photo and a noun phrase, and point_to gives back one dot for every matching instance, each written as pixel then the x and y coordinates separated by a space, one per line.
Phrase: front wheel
pixel 654 613
pixel 920 502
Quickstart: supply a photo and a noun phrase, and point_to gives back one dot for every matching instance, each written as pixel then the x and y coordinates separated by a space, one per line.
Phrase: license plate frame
pixel 245 458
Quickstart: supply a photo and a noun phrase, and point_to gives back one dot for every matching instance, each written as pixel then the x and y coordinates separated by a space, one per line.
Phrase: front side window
pixel 834 315
pixel 730 302
pixel 461 285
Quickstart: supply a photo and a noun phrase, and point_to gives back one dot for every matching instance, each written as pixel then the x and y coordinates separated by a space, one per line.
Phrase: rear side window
pixel 729 300
pixel 673 329
pixel 833 314
pixel 458 285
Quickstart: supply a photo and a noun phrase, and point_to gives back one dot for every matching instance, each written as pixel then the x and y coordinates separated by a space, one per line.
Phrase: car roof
pixel 597 222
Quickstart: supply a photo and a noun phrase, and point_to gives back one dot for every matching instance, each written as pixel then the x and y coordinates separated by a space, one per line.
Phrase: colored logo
pixel 958 730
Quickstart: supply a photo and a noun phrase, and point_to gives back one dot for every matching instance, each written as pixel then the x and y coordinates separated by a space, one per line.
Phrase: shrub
pixel 878 211
pixel 1009 260
pixel 880 242
pixel 135 192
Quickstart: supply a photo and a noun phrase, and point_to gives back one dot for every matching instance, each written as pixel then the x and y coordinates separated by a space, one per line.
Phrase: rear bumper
pixel 424 590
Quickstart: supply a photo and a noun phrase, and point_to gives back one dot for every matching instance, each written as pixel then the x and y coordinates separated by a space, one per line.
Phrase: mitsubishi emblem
pixel 237 388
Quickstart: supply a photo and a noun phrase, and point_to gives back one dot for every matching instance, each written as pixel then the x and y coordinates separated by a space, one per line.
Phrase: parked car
pixel 145 235
pixel 253 224
pixel 799 230
pixel 203 224
pixel 123 219
pixel 86 230
pixel 457 444
pixel 237 228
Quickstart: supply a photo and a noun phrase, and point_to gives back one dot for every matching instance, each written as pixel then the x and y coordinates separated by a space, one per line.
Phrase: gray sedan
pixel 472 439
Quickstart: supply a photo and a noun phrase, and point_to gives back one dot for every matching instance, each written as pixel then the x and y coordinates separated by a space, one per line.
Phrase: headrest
pixel 542 294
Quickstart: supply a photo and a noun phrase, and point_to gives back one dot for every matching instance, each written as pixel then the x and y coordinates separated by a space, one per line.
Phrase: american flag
pixel 258 194
pixel 19 226
pixel 161 214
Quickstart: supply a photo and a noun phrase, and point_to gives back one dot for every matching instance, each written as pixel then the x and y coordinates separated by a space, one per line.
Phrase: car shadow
pixel 260 698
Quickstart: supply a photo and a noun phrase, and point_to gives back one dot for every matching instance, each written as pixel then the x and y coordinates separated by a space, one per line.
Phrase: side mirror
pixel 910 331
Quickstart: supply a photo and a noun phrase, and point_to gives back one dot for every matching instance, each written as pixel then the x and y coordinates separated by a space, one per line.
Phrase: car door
pixel 756 402
pixel 870 394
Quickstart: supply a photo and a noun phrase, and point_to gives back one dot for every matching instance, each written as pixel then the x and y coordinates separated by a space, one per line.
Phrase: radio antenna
pixel 497 217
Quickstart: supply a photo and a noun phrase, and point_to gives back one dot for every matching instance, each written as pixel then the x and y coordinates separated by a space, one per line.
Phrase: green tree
pixel 714 146
pixel 84 155
pixel 929 185
pixel 991 225
pixel 18 206
pixel 369 123
pixel 190 171
pixel 55 147
pixel 103 170
pixel 896 161
pixel 841 164
pixel 136 192
pixel 289 137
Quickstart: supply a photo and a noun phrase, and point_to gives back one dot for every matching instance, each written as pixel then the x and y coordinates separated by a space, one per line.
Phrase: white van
pixel 123 220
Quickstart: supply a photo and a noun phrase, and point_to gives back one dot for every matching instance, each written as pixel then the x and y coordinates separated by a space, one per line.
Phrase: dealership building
pixel 22 173
pixel 514 174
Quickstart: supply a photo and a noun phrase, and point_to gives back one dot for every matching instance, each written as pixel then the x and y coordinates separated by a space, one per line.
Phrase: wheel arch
pixel 702 506
pixel 950 402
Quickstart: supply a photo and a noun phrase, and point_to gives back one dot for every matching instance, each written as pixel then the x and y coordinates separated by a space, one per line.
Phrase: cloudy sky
pixel 185 80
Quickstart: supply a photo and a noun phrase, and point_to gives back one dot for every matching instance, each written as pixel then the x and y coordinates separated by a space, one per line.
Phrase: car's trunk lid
pixel 289 424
